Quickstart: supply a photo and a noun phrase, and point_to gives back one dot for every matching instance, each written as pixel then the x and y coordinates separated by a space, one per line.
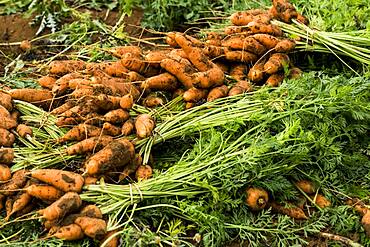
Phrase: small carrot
pixel 134 76
pixel 110 129
pixel 132 167
pixel 63 180
pixel 128 127
pixel 24 130
pixel 5 173
pixel 6 138
pixel 144 125
pixel 18 181
pixel 294 73
pixel 80 132
pixel 6 155
pixel 306 186
pixel 152 101
pixel 91 211
pixel 47 82
pixel 68 203
pixel 285 45
pixel 290 210
pixel 7 123
pixel 117 116
pixel 217 92
pixel 163 82
pixel 63 108
pixel 120 51
pixel 90 180
pixel 276 62
pixel 275 80
pixel 92 227
pixel 241 87
pixel 239 71
pixel 321 201
pixel 257 198
pixel 195 94
pixel 126 102
pixel 19 203
pixel 257 73
pixel 143 172
pixel 240 56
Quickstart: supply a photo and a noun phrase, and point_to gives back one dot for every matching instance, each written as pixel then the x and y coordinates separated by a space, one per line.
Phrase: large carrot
pixel 244 43
pixel 117 153
pixel 162 82
pixel 180 68
pixel 6 138
pixel 68 203
pixel 210 78
pixel 69 233
pixel 47 82
pixel 31 95
pixel 62 67
pixel 117 116
pixel 126 102
pixel 89 145
pixel 276 62
pixel 64 180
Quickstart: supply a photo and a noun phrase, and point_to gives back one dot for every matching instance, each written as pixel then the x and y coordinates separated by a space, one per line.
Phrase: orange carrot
pixel 306 186
pixel 134 63
pixel 321 201
pixel 210 78
pixel 115 68
pixel 126 102
pixel 19 203
pixel 223 66
pixel 365 221
pixel 113 240
pixel 31 95
pixel 110 129
pixel 214 51
pixel 181 68
pixel 257 198
pixel 163 82
pixel 267 40
pixel 6 101
pixel 63 180
pixel 92 227
pixel 121 86
pixel 152 101
pixel 249 44
pixel 131 168
pixel 7 122
pixel 62 67
pixel 69 233
pixel 275 80
pixel 257 73
pixel 117 116
pixel 242 18
pixel 18 181
pixel 276 62
pixel 156 56
pixel 80 132
pixel 90 180
pixel 6 155
pixel 294 73
pixel 5 173
pixel 290 210
pixel 257 27
pixel 6 138
pixel 285 45
pixel 128 127
pixel 144 172
pixel 239 71
pixel 15 115
pixel 134 76
pixel 117 153
pixel 61 85
pixel 217 92
pixel 92 211
pixel 241 87
pixel 195 94
pixel 24 130
pixel 62 121
pixel 47 82
pixel 45 193
pixel 144 125
pixel 68 203
pixel 189 105
pixel 120 51
pixel 65 107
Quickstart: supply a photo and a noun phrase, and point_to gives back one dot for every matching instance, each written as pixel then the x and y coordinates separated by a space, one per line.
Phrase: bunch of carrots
pixel 94 101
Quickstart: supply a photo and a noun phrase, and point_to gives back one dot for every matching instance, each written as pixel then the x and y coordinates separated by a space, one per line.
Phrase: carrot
pixel 24 130
pixel 117 116
pixel 358 205
pixel 143 172
pixel 82 92
pixel 275 80
pixel 69 233
pixel 15 115
pixel 195 94
pixel 45 193
pixel 120 51
pixel 163 82
pixel 62 67
pixel 302 19
pixel 178 92
pixel 128 127
pixel 117 153
pixel 258 27
pixel 5 173
pixel 156 56
pixel 170 39
pixel 2 197
pixel 63 121
pixel 92 211
pixel 92 227
pixel 240 56
pixel 242 18
pixel 134 76
pixel 79 83
pixel 7 123
pixel 8 206
pixel 306 186
pixel 90 180
pixel 241 87
pixel 223 66
pixel 213 42
pixel 6 155
pixel 290 210
pixel 267 40
pixel 68 203
pixel 6 101
pixel 61 85
pixel 210 78
pixel 178 54
pixel 106 102
pixel 214 36
pixel 122 87
pixel 276 62
pixel 63 180
pixel 47 81
pixel 249 44
pixel 134 63
pixel 152 101
pixel 131 168
pixel 27 209
pixel 181 68
pixel 82 109
pixel 4 112
pixel 257 73
pixel 239 71
pixel 18 181
pixel 6 138
pixel 230 30
pixel 110 129
pixel 285 45
pixel 144 125
pixel 31 95
pixel 294 73
pixel 19 203
pixel 126 102
pixel 195 54
pixel 80 132
pixel 63 108
pixel 257 198
pixel 321 201
pixel 217 92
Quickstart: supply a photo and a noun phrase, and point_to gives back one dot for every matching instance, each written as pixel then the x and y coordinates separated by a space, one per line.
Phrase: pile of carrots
pixel 94 100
